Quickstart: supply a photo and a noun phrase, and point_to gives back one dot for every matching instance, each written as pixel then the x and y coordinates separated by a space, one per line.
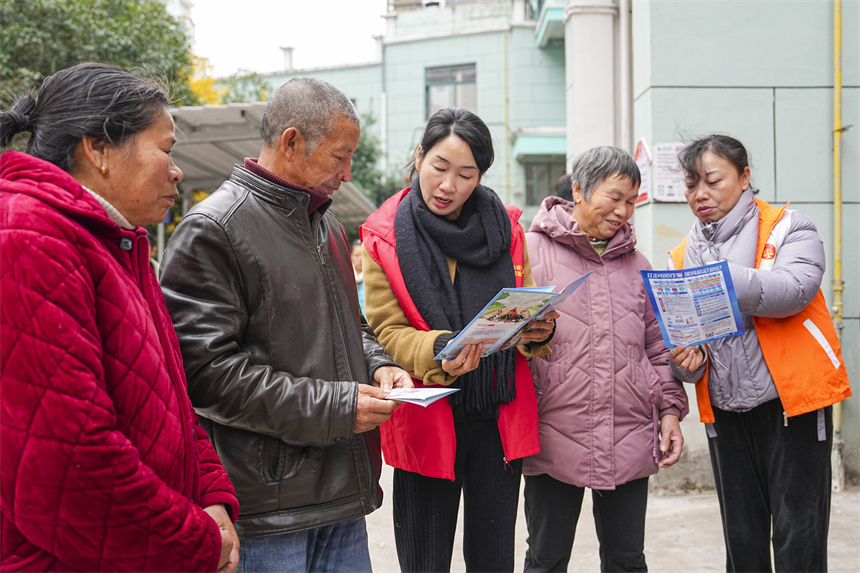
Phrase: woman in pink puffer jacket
pixel 608 407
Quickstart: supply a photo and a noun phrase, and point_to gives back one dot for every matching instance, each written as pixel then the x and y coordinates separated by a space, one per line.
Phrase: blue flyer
pixel 694 306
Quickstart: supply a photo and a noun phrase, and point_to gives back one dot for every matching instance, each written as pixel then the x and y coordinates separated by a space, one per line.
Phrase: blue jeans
pixel 338 547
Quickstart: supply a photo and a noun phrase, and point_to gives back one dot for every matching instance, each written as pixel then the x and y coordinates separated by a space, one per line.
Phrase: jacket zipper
pixel 337 313
pixel 314 227
pixel 368 465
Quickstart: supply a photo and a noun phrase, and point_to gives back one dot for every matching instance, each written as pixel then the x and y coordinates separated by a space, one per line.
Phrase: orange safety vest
pixel 802 352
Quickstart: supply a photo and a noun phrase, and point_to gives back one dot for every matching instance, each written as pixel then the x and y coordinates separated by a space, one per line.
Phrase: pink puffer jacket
pixel 104 467
pixel 604 388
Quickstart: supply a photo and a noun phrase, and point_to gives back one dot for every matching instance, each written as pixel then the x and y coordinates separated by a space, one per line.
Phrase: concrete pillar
pixel 590 74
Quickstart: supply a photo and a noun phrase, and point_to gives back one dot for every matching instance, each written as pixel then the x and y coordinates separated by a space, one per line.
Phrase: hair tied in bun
pixel 20 121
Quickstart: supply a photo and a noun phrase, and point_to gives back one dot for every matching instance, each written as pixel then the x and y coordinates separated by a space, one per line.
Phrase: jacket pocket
pixel 277 460
pixel 655 388
pixel 641 388
pixel 540 369
pixel 655 395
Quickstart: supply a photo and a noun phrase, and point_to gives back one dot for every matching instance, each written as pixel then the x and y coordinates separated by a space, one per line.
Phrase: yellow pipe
pixel 838 469
pixel 837 166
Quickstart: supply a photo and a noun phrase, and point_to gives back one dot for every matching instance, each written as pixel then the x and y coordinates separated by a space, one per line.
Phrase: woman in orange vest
pixel 765 395
pixel 435 254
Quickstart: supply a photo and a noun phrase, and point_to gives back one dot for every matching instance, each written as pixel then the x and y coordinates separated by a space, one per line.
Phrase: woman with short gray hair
pixel 608 406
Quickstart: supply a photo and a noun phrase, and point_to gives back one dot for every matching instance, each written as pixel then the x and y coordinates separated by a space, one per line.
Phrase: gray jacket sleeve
pixel 687 376
pixel 794 279
pixel 204 292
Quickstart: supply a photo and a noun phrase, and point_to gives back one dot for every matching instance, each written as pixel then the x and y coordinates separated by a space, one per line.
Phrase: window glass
pixel 450 86
pixel 440 96
pixel 540 180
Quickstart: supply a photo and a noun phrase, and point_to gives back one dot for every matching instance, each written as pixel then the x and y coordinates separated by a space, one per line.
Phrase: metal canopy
pixel 210 139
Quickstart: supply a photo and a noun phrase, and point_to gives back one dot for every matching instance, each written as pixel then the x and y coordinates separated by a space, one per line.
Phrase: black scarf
pixel 480 241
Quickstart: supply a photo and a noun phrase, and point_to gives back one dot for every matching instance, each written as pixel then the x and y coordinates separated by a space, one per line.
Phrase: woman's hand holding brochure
pixel 690 358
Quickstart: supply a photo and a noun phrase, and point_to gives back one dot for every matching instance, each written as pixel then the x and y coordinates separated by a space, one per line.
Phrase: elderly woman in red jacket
pixel 104 465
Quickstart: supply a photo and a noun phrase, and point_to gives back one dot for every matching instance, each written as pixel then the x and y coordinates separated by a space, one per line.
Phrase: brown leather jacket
pixel 274 346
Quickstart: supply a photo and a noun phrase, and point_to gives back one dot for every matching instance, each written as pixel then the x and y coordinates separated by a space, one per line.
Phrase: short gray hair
pixel 593 166
pixel 310 105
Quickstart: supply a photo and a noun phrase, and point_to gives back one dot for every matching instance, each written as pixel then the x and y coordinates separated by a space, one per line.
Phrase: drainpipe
pixel 383 111
pixel 838 469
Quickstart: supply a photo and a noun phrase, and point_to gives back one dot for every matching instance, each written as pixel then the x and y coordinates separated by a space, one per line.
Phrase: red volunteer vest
pixel 422 440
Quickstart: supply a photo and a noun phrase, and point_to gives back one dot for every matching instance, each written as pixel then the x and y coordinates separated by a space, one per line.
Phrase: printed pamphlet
pixel 420 396
pixel 500 323
pixel 694 306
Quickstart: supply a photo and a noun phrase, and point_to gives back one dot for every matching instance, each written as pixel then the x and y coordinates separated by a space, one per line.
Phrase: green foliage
pixel 245 86
pixel 39 37
pixel 366 174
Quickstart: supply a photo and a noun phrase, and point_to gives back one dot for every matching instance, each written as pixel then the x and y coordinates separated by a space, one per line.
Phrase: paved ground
pixel 683 533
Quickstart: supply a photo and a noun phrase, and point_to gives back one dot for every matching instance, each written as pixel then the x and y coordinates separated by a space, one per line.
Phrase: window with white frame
pixel 450 86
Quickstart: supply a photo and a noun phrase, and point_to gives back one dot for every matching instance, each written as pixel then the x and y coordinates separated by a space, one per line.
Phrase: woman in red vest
pixel 765 395
pixel 435 254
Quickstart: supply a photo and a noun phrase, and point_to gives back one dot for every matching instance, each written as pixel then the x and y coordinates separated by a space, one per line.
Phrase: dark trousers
pixel 425 508
pixel 773 479
pixel 552 511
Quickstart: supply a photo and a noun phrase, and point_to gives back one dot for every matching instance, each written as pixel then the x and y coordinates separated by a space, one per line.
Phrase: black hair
pixel 564 187
pixel 465 125
pixel 723 146
pixel 102 101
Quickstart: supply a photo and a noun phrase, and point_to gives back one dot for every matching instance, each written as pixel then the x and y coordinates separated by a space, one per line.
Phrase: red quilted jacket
pixel 102 463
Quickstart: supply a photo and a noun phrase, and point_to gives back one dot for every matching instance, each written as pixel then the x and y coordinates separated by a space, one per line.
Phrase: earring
pixel 577 201
pixel 103 169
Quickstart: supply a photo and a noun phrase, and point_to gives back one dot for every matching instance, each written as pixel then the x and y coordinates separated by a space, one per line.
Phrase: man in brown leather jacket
pixel 286 375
